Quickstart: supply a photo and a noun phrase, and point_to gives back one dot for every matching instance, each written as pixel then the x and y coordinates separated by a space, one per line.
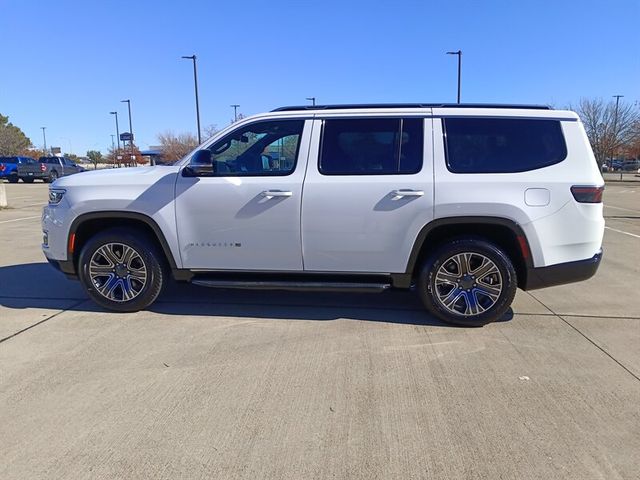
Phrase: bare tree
pixel 210 131
pixel 609 130
pixel 174 147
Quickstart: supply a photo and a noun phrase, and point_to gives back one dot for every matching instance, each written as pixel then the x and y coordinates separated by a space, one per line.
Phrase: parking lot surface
pixel 269 385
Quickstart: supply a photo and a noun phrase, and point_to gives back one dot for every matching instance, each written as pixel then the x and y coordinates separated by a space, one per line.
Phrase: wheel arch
pixel 505 233
pixel 84 226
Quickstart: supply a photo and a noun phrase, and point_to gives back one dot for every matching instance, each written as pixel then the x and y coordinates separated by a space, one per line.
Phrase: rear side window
pixel 381 146
pixel 502 145
pixel 8 160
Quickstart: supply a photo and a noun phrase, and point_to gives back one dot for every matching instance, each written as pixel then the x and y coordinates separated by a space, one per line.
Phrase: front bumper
pixel 64 266
pixel 562 273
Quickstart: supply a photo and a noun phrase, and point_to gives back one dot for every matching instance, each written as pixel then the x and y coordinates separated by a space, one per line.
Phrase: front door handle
pixel 276 193
pixel 408 193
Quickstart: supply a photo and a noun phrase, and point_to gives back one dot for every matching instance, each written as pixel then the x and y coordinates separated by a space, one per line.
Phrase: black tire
pixel 148 255
pixel 13 178
pixel 53 176
pixel 471 293
pixel 27 180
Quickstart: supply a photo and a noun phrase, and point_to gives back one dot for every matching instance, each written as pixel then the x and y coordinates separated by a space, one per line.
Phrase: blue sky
pixel 66 64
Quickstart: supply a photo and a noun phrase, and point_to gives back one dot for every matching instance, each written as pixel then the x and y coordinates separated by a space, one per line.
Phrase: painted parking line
pixel 19 219
pixel 621 208
pixel 622 231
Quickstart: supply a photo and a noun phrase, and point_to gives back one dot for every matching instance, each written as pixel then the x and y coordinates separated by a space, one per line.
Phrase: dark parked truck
pixel 56 167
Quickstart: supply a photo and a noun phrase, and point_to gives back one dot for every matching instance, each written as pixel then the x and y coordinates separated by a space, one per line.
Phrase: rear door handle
pixel 276 193
pixel 408 193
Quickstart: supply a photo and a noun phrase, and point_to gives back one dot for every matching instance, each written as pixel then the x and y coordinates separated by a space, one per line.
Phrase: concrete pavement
pixel 216 384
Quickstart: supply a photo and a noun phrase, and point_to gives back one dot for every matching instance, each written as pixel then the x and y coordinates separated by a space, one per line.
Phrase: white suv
pixel 464 202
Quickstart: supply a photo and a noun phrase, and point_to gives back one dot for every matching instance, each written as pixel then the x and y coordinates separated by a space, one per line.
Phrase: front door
pixel 245 214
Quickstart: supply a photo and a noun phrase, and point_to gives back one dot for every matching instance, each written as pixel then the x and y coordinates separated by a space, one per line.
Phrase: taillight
pixel 587 194
pixel 2 167
pixel 43 167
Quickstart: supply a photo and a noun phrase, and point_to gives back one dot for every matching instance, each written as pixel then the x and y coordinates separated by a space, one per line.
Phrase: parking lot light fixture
pixel 459 54
pixel 195 81
pixel 235 111
pixel 312 100
pixel 117 129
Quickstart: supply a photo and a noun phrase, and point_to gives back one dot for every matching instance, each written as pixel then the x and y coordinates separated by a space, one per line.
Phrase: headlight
pixel 55 196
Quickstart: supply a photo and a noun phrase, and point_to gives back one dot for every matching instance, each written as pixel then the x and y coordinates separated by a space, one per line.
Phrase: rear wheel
pixel 121 270
pixel 27 180
pixel 13 178
pixel 468 281
pixel 53 176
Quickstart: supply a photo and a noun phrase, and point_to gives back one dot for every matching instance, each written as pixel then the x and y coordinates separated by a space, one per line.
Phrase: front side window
pixel 262 148
pixel 502 145
pixel 380 146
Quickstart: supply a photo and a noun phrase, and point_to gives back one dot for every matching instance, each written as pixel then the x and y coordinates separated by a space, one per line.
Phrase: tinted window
pixel 502 145
pixel 8 160
pixel 382 146
pixel 258 149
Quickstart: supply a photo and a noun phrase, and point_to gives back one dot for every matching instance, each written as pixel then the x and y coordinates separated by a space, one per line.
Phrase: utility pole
pixel 615 131
pixel 459 54
pixel 195 81
pixel 235 112
pixel 44 137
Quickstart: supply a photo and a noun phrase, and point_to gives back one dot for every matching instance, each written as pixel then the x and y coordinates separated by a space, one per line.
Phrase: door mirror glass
pixel 200 164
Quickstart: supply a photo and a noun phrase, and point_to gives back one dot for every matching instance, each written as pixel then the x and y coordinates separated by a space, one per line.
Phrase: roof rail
pixel 409 105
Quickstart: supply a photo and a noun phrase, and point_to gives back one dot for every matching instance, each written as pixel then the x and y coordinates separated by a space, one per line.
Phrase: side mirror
pixel 201 164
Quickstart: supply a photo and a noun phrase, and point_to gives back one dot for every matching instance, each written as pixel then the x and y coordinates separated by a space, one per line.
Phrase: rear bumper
pixel 562 273
pixel 37 175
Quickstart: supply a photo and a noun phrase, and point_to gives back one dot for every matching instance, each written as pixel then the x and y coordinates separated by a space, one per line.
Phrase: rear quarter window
pixel 502 145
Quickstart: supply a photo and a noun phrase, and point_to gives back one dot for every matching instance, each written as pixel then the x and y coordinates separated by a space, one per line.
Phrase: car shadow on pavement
pixel 38 285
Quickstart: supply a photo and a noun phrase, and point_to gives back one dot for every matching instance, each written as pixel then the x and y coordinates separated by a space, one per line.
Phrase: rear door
pixel 367 194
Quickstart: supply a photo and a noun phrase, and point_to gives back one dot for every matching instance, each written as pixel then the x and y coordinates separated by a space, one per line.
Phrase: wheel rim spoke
pixel 485 269
pixel 118 272
pixel 446 277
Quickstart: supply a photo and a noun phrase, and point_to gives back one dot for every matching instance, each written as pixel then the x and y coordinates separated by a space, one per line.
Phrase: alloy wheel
pixel 118 272
pixel 468 284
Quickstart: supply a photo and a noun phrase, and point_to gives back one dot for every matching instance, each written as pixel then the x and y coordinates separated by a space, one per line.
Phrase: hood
pixel 117 176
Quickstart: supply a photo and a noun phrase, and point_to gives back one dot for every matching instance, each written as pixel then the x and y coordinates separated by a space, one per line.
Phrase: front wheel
pixel 121 271
pixel 468 281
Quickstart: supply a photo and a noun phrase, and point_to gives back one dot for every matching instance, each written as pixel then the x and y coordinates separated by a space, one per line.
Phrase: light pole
pixel 117 131
pixel 44 137
pixel 113 147
pixel 615 131
pixel 459 54
pixel 195 81
pixel 312 100
pixel 128 102
pixel 235 111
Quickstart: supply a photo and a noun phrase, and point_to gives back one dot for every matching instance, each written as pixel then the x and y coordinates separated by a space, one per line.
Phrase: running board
pixel 292 285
